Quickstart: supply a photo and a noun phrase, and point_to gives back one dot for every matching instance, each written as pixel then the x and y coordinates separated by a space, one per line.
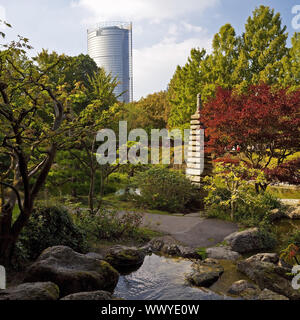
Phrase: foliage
pixel 295 238
pixel 76 164
pixel 110 225
pixel 287 172
pixel 183 89
pixel 291 254
pixel 49 103
pixel 148 113
pixel 202 253
pixel 263 122
pixel 231 193
pixel 50 226
pixel 165 189
pixel 266 235
pixel 260 54
pixel 34 119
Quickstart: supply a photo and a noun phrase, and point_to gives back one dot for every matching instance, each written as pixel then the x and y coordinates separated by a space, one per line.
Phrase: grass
pixel 284 192
pixel 114 202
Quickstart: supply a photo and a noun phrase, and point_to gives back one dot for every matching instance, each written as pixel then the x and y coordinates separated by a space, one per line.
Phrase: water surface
pixel 161 278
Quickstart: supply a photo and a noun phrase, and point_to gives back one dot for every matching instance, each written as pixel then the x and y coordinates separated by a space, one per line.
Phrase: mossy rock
pixel 205 273
pixel 123 257
pixel 269 275
pixel 72 272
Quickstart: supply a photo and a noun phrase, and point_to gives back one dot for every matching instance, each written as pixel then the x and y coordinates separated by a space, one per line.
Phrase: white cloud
pixel 137 10
pixel 154 66
pixel 191 28
pixel 176 29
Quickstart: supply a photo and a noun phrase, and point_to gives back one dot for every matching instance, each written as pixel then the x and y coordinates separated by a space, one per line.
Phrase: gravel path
pixel 190 229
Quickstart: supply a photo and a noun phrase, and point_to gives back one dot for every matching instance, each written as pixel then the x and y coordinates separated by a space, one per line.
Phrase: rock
pixel 293 212
pixel 157 244
pixel 265 257
pixel 146 249
pixel 224 253
pixel 267 294
pixel 31 291
pixel 72 272
pixel 170 246
pixel 123 257
pixel 93 295
pixel 189 253
pixel 205 273
pixel 171 250
pixel 246 241
pixel 94 255
pixel 269 275
pixel 238 287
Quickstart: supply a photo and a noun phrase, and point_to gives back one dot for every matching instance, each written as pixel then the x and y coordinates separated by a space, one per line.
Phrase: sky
pixel 164 31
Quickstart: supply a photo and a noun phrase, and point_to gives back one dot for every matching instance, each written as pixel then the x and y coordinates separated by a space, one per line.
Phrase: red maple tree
pixel 263 124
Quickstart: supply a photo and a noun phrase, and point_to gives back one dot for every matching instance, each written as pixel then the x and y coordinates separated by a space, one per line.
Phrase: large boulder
pixel 92 295
pixel 31 291
pixel 247 241
pixel 72 272
pixel 269 275
pixel 124 257
pixel 205 273
pixel 224 253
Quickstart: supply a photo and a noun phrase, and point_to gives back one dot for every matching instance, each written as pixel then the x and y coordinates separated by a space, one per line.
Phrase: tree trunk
pixel 91 191
pixel 7 245
pixel 232 210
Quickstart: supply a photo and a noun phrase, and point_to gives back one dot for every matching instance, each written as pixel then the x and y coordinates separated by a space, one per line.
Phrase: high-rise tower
pixel 110 45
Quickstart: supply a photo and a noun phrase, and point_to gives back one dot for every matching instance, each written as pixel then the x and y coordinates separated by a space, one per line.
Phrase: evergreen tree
pixel 259 55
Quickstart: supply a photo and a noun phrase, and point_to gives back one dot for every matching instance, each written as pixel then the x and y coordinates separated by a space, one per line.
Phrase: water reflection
pixel 161 278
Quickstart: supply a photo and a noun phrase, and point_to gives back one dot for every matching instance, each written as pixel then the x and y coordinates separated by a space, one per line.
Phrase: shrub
pixel 47 227
pixel 295 238
pixel 109 225
pixel 231 194
pixel 165 189
pixel 267 236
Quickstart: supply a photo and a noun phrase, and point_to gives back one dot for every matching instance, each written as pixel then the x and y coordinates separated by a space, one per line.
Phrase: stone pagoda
pixel 198 163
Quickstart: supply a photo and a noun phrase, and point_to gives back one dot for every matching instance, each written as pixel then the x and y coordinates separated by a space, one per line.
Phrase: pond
pixel 162 278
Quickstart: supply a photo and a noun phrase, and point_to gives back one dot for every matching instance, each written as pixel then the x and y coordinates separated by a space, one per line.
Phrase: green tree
pixel 259 55
pixel 183 88
pixel 290 73
pixel 264 45
pixel 34 120
pixel 148 113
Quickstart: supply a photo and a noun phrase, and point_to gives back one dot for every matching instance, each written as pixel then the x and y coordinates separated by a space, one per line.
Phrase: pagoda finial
pixel 199 103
